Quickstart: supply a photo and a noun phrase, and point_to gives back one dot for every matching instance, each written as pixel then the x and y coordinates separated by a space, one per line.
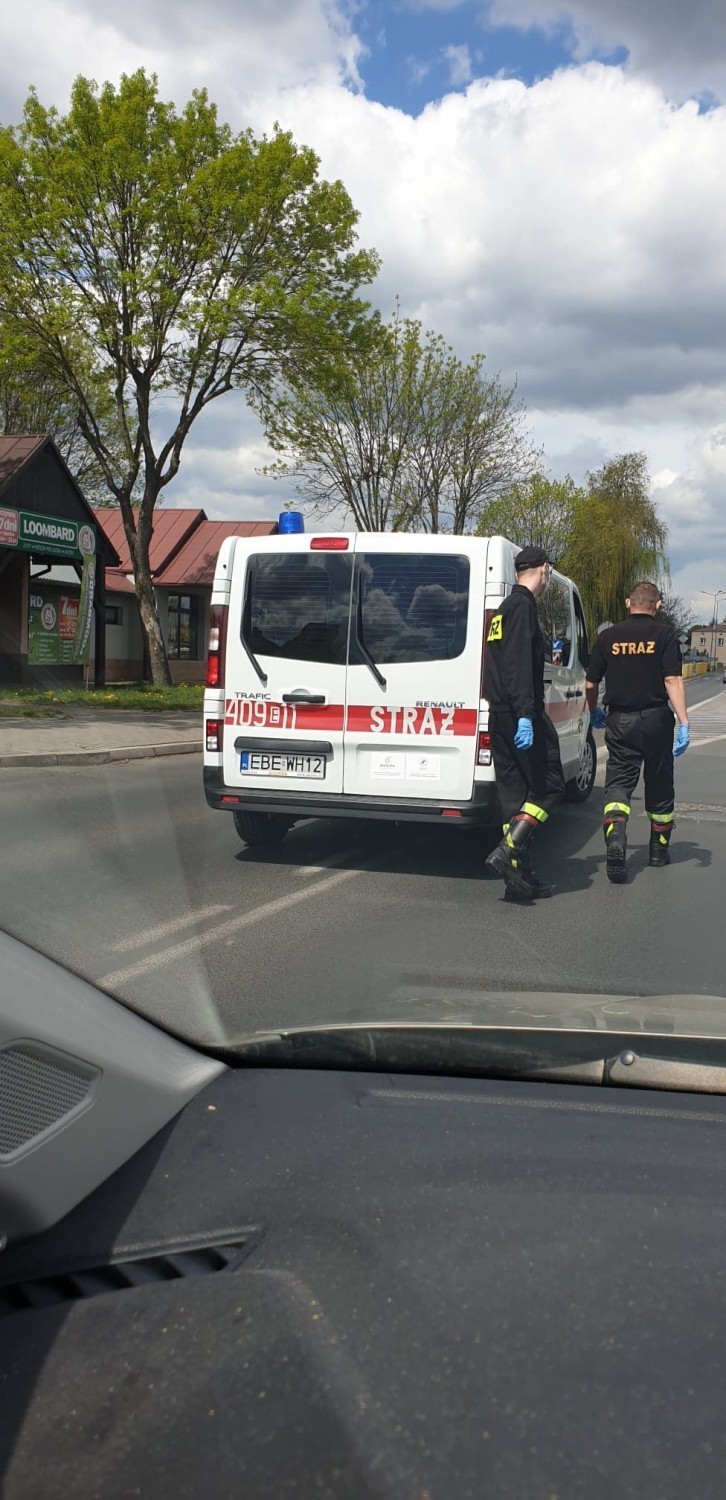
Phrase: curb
pixel 101 757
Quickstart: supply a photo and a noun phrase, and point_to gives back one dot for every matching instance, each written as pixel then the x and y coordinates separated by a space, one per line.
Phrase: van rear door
pixel 287 641
pixel 414 666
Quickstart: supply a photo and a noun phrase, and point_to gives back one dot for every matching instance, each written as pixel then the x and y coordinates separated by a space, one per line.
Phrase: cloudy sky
pixel 545 181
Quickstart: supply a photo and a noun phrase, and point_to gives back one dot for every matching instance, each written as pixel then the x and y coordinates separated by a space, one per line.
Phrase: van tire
pixel 579 789
pixel 261 830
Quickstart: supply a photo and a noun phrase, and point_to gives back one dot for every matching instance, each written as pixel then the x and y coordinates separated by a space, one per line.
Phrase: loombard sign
pixel 49 535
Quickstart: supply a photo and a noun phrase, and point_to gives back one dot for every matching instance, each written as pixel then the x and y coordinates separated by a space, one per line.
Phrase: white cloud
pixel 229 49
pixel 682 46
pixel 573 230
pixel 418 68
pixel 460 69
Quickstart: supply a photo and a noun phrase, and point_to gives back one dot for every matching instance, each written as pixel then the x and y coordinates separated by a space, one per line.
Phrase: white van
pixel 344 679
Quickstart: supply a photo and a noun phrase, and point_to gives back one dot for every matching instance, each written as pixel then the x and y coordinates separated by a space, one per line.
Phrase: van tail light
pixel 484 749
pixel 213 735
pixel 217 645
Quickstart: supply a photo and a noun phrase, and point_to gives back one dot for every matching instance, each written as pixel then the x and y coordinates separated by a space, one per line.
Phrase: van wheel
pixel 261 830
pixel 579 789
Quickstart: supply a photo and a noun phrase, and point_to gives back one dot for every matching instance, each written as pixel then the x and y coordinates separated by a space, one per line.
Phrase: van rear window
pixel 297 606
pixel 414 606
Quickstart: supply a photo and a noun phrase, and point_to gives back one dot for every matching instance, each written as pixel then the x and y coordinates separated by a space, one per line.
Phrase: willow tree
pixel 156 262
pixel 616 538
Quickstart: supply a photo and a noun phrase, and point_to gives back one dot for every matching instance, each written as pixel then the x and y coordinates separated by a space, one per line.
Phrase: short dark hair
pixel 645 595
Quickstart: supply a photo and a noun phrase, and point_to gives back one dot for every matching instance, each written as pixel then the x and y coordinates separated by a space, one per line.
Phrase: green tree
pixel 537 512
pixel 32 400
pixel 679 613
pixel 400 433
pixel 469 443
pixel 617 537
pixel 345 438
pixel 156 262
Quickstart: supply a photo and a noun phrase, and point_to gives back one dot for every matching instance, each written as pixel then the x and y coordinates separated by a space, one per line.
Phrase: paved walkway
pixel 81 737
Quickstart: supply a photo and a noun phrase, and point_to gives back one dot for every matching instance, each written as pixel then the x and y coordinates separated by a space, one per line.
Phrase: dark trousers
pixel 640 739
pixel 533 775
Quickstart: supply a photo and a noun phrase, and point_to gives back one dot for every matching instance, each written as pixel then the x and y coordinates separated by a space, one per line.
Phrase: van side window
pixel 583 645
pixel 413 606
pixel 555 612
pixel 298 607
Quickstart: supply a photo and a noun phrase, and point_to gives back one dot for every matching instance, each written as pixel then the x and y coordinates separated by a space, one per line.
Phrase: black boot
pixel 540 888
pixel 660 837
pixel 506 860
pixel 615 829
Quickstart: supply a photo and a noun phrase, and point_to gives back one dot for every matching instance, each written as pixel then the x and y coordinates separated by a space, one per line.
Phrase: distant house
pixel 183 553
pixel 709 641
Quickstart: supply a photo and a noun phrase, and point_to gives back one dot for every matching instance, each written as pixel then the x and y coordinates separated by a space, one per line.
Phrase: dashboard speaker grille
pixel 38 1089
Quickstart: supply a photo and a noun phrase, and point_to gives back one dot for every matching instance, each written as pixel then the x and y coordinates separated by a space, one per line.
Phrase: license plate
pixel 261 763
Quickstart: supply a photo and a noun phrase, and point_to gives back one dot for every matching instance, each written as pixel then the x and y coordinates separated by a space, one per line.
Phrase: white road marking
pixel 711 740
pixel 224 929
pixel 331 863
pixel 704 701
pixel 165 929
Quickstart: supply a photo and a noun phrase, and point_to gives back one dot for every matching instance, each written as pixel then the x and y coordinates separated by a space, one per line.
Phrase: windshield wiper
pixel 365 653
pixel 521 1054
pixel 248 650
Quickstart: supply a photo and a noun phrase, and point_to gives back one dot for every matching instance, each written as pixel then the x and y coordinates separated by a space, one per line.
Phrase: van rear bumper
pixel 481 810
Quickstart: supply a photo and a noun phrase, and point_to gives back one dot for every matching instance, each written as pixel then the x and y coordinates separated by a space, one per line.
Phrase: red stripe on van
pixel 385 719
pixel 253 713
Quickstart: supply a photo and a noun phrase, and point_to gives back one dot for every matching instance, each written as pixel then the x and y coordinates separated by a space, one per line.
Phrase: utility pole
pixel 713 594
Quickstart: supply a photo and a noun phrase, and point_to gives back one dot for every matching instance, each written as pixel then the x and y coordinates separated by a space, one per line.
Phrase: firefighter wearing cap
pixel 640 660
pixel 525 745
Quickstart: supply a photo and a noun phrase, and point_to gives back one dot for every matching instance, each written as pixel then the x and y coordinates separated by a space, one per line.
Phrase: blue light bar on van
pixel 291 521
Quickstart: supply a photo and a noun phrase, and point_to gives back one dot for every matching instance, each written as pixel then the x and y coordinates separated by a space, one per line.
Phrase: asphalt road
pixel 124 874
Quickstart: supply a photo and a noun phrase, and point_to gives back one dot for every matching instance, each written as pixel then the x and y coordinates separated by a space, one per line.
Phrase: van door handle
pixel 301 696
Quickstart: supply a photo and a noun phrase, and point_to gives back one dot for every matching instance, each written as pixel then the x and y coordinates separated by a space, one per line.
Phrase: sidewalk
pixel 80 737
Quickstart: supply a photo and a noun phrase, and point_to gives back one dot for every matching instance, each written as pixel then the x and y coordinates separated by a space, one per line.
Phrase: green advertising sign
pixel 82 637
pixel 57 635
pixel 49 535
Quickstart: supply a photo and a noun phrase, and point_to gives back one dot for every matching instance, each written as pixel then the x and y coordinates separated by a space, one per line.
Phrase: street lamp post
pixel 713 594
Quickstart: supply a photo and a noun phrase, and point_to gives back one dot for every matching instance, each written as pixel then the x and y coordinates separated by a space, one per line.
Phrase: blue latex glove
pixel 524 738
pixel 598 719
pixel 683 739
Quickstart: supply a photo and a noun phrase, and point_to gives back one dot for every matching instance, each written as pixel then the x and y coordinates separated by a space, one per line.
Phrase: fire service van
pixel 344 679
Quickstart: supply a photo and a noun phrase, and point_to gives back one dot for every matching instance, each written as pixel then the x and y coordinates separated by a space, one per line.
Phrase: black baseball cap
pixel 530 557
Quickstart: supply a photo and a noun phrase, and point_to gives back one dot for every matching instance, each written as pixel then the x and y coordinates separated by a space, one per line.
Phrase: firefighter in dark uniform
pixel 640 660
pixel 525 744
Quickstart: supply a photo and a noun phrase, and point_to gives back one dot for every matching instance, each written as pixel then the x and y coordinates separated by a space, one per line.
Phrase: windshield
pixel 363 655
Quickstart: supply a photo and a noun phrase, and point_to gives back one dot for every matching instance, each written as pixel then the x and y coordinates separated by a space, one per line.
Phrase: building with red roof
pixel 53 630
pixel 183 555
